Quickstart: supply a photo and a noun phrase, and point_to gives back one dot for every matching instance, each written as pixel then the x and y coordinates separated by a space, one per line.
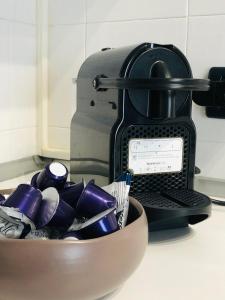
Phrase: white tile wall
pixel 195 26
pixel 23 75
pixel 66 54
pixel 206 7
pixel 211 158
pixel 25 11
pixel 18 79
pixel 206 48
pixel 18 143
pixel 116 34
pixel 59 138
pixel 4 75
pixel 7 9
pixel 18 10
pixel 120 10
pixel 66 12
pixel 206 43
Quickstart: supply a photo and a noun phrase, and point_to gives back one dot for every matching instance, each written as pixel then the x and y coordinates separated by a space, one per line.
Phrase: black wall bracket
pixel 214 98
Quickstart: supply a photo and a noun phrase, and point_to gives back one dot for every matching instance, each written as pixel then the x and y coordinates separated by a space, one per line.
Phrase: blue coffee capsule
pixel 27 200
pixel 100 225
pixel 54 212
pixel 93 201
pixel 54 175
pixel 71 194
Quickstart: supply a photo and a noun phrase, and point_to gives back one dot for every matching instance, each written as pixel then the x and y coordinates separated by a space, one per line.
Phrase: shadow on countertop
pixel 170 235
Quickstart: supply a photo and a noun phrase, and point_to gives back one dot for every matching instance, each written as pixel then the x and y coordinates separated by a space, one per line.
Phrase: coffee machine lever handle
pixel 101 83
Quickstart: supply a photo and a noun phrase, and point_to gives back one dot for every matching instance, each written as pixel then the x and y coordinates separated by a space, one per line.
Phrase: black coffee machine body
pixel 134 112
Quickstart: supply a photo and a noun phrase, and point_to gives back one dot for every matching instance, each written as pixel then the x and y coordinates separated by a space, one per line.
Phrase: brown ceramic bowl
pixel 72 270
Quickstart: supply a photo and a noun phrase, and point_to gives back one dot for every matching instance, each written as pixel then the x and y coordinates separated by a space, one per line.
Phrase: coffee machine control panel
pixel 158 155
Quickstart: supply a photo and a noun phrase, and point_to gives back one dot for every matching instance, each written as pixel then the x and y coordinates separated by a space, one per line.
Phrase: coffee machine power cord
pixel 218 202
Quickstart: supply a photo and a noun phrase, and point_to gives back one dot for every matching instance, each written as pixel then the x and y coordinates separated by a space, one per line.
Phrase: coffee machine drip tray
pixel 174 208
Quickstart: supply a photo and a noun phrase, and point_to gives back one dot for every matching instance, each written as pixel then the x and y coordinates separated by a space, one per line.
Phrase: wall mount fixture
pixel 214 98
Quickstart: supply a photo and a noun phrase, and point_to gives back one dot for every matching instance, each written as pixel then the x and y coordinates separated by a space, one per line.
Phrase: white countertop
pixel 181 264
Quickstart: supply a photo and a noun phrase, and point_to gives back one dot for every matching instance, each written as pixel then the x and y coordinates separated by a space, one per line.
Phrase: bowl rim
pixel 136 204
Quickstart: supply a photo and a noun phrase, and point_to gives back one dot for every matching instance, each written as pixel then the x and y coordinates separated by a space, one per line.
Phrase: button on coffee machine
pixel 134 113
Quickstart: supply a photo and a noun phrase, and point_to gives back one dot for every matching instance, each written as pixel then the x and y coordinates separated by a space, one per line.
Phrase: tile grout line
pixel 60 127
pixel 85 31
pixel 118 21
pixel 13 130
pixel 138 19
pixel 125 20
pixel 187 28
pixel 17 21
pixel 208 15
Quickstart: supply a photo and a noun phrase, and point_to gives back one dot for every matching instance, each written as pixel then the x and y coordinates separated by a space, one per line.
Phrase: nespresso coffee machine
pixel 134 112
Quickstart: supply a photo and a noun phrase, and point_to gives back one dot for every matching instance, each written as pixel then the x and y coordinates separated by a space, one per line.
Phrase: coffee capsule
pixel 93 201
pixel 103 224
pixel 26 199
pixel 68 184
pixel 54 175
pixel 54 212
pixel 33 181
pixel 71 194
pixel 2 199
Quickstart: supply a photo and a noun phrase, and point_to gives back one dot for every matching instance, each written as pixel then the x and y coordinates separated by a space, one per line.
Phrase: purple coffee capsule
pixel 64 215
pixel 93 201
pixel 54 175
pixel 72 236
pixel 68 184
pixel 2 199
pixel 26 199
pixel 54 212
pixel 33 181
pixel 100 225
pixel 71 194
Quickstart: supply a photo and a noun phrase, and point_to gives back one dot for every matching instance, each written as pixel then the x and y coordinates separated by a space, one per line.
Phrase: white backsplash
pixel 86 26
pixel 77 28
pixel 18 104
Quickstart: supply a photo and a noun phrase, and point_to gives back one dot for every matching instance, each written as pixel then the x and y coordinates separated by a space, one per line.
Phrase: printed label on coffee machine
pixel 150 156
